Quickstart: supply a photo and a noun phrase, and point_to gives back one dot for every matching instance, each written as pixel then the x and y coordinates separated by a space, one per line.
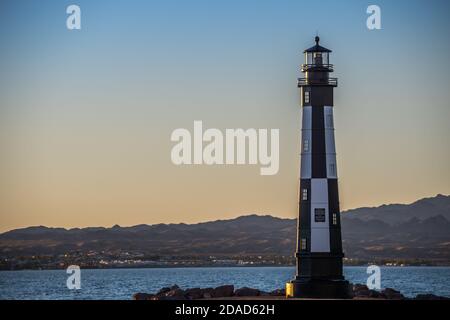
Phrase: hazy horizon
pixel 86 115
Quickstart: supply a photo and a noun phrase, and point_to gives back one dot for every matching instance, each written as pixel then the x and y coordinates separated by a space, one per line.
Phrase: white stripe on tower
pixel 320 233
pixel 306 143
pixel 330 147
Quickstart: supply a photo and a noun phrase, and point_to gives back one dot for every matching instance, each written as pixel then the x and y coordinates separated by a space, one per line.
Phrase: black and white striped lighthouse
pixel 319 245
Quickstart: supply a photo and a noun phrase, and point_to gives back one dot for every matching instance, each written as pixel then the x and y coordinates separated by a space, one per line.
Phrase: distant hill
pixel 420 230
pixel 399 213
pixel 246 234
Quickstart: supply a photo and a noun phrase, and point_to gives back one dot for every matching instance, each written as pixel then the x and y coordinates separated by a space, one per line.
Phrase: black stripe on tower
pixel 321 95
pixel 318 157
pixel 334 215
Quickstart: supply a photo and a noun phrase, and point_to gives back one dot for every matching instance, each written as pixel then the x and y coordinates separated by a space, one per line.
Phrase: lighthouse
pixel 319 245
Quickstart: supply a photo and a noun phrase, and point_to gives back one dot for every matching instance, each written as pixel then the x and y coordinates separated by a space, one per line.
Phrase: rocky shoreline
pixel 359 291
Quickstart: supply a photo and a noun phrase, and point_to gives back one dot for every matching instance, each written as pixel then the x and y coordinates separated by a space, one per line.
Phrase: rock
pixel 175 293
pixel 163 291
pixel 392 294
pixel 360 287
pixel 224 291
pixel 361 294
pixel 360 290
pixel 278 292
pixel 208 293
pixel 194 293
pixel 142 296
pixel 246 292
pixel 167 298
pixel 374 294
pixel 429 296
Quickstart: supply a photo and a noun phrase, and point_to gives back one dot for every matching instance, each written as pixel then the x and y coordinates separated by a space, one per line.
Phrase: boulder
pixel 278 292
pixel 142 296
pixel 374 294
pixel 224 291
pixel 361 294
pixel 246 292
pixel 167 298
pixel 163 291
pixel 194 293
pixel 208 293
pixel 175 293
pixel 361 290
pixel 392 294
pixel 359 287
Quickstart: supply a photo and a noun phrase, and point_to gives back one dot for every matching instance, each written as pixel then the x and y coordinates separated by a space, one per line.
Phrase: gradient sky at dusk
pixel 86 116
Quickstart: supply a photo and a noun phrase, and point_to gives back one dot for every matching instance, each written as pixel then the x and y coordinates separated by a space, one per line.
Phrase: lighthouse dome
pixel 317 47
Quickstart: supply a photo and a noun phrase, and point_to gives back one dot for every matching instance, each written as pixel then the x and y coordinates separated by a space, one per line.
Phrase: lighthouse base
pixel 318 288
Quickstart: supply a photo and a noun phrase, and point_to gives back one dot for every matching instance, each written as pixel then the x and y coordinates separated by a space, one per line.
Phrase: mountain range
pixel 420 230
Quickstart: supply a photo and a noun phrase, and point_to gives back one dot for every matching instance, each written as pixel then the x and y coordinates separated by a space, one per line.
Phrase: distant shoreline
pixel 224 266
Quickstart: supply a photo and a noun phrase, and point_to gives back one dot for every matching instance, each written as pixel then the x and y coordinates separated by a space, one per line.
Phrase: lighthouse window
pixel 319 215
pixel 306 145
pixel 306 93
pixel 304 194
pixel 303 244
pixel 334 219
pixel 317 58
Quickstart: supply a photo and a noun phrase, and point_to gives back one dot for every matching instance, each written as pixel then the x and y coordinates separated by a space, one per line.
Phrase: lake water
pixel 122 283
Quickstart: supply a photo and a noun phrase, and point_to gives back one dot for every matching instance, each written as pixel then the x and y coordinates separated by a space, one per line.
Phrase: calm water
pixel 122 283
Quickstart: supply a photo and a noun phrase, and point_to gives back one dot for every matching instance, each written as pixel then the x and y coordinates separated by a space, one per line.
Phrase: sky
pixel 86 115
